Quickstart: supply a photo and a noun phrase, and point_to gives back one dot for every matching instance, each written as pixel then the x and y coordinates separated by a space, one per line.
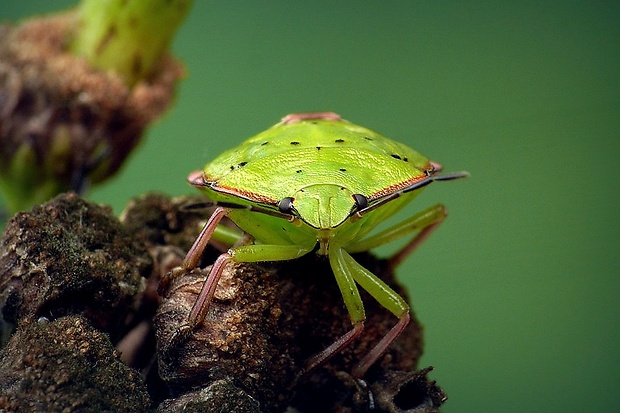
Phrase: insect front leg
pixel 425 222
pixel 195 252
pixel 192 258
pixel 244 253
pixel 190 263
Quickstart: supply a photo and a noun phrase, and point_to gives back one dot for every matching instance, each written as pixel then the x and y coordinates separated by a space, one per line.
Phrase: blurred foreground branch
pixel 64 122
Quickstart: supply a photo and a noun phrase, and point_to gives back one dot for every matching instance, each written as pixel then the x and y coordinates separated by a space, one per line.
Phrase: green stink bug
pixel 317 182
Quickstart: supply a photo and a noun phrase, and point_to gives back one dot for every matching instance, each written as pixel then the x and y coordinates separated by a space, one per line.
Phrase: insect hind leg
pixel 348 273
pixel 425 222
pixel 377 351
pixel 334 348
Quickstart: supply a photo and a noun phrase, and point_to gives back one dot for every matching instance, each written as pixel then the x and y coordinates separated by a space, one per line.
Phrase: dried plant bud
pixel 63 124
pixel 408 392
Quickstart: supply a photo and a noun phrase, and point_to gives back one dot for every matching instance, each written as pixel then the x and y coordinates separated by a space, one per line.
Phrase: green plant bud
pixel 127 36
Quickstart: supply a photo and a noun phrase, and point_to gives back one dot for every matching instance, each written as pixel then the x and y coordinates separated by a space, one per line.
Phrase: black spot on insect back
pixel 342 170
pixel 318 148
pixel 239 165
pixel 395 156
pixel 339 141
pixel 298 171
pixel 294 143
pixel 264 143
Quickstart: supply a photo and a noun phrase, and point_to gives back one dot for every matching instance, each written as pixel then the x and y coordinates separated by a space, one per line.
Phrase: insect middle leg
pixel 353 303
pixel 388 299
pixel 348 273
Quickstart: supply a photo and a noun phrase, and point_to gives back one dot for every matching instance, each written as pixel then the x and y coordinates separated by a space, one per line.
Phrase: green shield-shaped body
pixel 313 179
pixel 319 164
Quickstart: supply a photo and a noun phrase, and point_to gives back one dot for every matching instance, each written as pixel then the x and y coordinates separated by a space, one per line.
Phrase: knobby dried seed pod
pixel 66 365
pixel 266 320
pixel 70 266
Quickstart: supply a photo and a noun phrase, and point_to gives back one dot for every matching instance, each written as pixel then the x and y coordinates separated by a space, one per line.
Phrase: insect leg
pixel 352 301
pixel 195 252
pixel 389 299
pixel 268 252
pixel 425 222
pixel 226 235
pixel 201 305
pixel 244 253
pixel 199 309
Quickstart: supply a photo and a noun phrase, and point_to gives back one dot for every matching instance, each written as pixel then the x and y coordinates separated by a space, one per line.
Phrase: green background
pixel 519 290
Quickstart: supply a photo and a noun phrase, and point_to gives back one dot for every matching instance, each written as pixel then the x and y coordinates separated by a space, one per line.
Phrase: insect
pixel 315 182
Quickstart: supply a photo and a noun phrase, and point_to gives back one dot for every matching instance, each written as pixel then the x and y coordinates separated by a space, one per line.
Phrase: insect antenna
pixel 417 185
pixel 256 208
pixel 196 206
pixel 432 178
pixel 450 176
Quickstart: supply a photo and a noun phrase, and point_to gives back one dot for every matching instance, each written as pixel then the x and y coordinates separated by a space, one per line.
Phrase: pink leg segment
pixel 369 359
pixel 335 347
pixel 411 246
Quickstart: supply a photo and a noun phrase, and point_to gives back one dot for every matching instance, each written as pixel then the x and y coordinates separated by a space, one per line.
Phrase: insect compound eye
pixel 361 201
pixel 286 205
